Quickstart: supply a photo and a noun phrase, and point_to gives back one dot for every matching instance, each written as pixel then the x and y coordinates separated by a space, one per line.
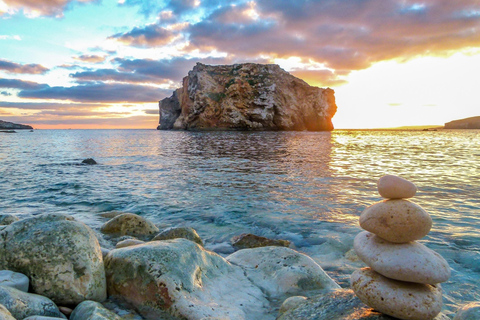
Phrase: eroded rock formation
pixel 246 97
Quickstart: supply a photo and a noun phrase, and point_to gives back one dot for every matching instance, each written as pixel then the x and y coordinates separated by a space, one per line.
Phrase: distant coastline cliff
pixel 246 97
pixel 467 123
pixel 12 126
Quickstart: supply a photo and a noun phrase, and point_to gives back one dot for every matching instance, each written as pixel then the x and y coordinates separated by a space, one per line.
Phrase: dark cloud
pixel 115 75
pixel 5 93
pixel 98 92
pixel 91 58
pixel 13 67
pixel 48 105
pixel 151 111
pixel 20 84
pixel 43 7
pixel 151 35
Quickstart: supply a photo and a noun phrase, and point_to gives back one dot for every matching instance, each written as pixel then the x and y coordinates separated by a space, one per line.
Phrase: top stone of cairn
pixel 393 187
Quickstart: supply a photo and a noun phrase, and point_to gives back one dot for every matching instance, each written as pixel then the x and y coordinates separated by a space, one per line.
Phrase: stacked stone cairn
pixel 403 275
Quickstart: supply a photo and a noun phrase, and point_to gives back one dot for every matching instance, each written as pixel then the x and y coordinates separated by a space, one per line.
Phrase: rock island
pixel 246 97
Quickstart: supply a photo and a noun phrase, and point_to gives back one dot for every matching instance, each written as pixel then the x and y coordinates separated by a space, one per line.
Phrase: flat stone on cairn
pixel 403 277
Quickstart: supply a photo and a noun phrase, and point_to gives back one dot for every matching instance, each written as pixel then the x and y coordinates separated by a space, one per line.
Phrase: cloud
pixel 98 92
pixel 5 93
pixel 91 58
pixel 115 75
pixel 7 37
pixel 41 7
pixel 20 84
pixel 13 67
pixel 151 36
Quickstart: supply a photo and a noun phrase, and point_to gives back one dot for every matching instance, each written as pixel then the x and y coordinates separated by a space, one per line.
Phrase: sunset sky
pixel 106 63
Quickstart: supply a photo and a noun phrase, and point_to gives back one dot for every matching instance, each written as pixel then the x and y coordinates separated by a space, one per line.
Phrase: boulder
pixel 179 232
pixel 404 300
pixel 410 261
pixel 14 280
pixel 89 161
pixel 5 314
pixel 470 311
pixel 22 304
pixel 341 304
pixel 6 219
pixel 281 271
pixel 246 97
pixel 61 257
pixel 291 303
pixel 248 240
pixel 180 278
pixel 397 221
pixel 129 224
pixel 393 187
pixel 92 310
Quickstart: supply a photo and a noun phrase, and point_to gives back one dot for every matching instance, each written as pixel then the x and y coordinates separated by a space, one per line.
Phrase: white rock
pixel 403 300
pixel 396 221
pixel 411 261
pixel 291 303
pixel 279 271
pixel 393 187
pixel 469 311
pixel 14 279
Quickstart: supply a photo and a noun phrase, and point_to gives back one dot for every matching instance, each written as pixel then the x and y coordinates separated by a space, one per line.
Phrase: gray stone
pixel 6 219
pixel 128 243
pixel 91 310
pixel 61 257
pixel 14 279
pixel 179 232
pixel 470 311
pixel 5 314
pixel 393 187
pixel 341 304
pixel 42 318
pixel 248 240
pixel 291 303
pixel 179 278
pixel 22 304
pixel 281 271
pixel 129 224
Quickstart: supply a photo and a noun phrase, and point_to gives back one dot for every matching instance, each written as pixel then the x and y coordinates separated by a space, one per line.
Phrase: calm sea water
pixel 309 188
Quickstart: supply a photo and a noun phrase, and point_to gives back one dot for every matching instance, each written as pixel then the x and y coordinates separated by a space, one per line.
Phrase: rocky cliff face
pixel 246 97
pixel 467 123
pixel 11 125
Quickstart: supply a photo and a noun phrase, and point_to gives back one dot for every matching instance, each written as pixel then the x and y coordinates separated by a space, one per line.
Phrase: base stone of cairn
pixel 403 277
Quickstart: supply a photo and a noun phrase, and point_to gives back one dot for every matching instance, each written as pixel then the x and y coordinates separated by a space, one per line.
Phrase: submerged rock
pixel 247 97
pixel 89 161
pixel 248 240
pixel 179 232
pixel 22 304
pixel 469 311
pixel 179 278
pixel 279 271
pixel 6 219
pixel 61 257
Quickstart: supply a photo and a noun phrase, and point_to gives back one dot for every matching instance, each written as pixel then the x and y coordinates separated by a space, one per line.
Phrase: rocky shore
pixel 55 267
pixel 4 125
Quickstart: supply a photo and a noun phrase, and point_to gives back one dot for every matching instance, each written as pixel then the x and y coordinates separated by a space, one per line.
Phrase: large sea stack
pixel 246 97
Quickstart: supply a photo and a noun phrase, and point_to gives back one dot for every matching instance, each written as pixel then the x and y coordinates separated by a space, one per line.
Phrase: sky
pixel 107 63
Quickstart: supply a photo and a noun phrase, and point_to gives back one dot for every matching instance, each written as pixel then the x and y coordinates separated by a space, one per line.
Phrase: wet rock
pixel 469 311
pixel 61 257
pixel 397 221
pixel 404 300
pixel 128 243
pixel 412 261
pixel 42 318
pixel 279 271
pixel 179 232
pixel 91 310
pixel 14 280
pixel 180 278
pixel 129 224
pixel 6 219
pixel 22 304
pixel 5 314
pixel 89 161
pixel 248 240
pixel 393 187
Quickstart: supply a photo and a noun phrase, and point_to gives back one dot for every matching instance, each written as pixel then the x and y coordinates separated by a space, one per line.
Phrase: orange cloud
pixel 41 7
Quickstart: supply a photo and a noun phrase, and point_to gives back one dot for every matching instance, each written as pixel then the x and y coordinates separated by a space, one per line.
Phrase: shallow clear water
pixel 309 188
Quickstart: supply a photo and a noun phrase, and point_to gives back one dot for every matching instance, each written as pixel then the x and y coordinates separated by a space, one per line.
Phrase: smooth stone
pixel 248 240
pixel 14 280
pixel 179 232
pixel 129 224
pixel 397 221
pixel 42 318
pixel 22 304
pixel 89 161
pixel 281 271
pixel 341 304
pixel 291 303
pixel 92 310
pixel 404 300
pixel 411 261
pixel 393 187
pixel 128 243
pixel 5 314
pixel 469 311
pixel 6 219
pixel 65 310
pixel 179 278
pixel 60 256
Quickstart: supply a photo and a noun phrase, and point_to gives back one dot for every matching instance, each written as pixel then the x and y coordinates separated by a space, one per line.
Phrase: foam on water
pixel 309 188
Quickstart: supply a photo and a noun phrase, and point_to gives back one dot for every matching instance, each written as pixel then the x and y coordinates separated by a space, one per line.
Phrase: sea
pixel 306 187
